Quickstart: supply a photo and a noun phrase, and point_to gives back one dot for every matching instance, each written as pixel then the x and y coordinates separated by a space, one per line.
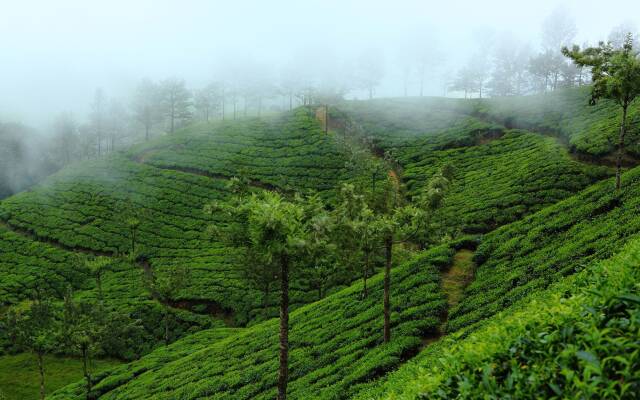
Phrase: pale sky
pixel 55 53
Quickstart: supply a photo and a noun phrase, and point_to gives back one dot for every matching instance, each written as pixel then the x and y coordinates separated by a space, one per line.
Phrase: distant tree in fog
pixel 98 116
pixel 208 99
pixel 175 101
pixel 117 123
pixel 549 69
pixel 618 34
pixel 370 70
pixel 65 138
pixel 510 76
pixel 146 107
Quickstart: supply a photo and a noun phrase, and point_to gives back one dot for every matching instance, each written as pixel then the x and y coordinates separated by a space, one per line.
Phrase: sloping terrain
pixel 500 175
pixel 577 339
pixel 336 343
pixel 543 213
pixel 165 185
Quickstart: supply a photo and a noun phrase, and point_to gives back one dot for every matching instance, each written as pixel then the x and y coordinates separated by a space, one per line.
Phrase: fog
pixel 80 79
pixel 56 53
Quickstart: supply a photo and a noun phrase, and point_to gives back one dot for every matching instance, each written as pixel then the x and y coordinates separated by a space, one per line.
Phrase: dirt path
pixel 454 281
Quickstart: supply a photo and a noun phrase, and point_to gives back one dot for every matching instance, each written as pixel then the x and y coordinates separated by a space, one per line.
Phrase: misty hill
pixel 543 208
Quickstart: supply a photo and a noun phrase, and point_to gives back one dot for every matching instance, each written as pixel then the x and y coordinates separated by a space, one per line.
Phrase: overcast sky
pixel 55 53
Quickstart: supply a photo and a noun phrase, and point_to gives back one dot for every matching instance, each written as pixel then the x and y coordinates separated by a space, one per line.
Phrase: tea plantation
pixel 549 307
pixel 336 345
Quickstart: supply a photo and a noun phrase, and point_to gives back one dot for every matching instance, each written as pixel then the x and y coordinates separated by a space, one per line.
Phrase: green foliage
pixel 528 255
pixel 19 374
pixel 99 206
pixel 339 333
pixel 584 345
pixel 499 175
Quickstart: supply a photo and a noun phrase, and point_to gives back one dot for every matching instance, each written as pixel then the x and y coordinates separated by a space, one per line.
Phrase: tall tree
pixel 37 331
pixel 207 100
pixel 166 288
pixel 66 138
pixel 176 102
pixel 87 329
pixel 615 76
pixel 98 117
pixel 146 107
pixel 268 224
pixel 403 223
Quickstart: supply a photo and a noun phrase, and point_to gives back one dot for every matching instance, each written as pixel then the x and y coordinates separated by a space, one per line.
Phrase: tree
pixel 146 107
pixel 176 102
pixel 321 266
pixel 66 138
pixel 268 224
pixel 37 330
pixel 165 289
pixel 370 71
pixel 207 100
pixel 615 76
pixel 465 81
pixel 87 330
pixel 402 223
pixel 98 267
pixel 117 118
pixel 98 116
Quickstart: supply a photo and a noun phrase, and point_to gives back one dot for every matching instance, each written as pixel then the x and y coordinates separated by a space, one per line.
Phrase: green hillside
pixel 501 175
pixel 340 333
pixel 526 224
pixel 86 207
pixel 584 344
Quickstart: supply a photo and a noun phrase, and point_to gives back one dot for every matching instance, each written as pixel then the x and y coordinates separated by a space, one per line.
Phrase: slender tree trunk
pixel 283 373
pixel 223 105
pixel 146 132
pixel 290 101
pixel 265 300
pixel 166 325
pixel 326 118
pixel 623 131
pixel 172 121
pixel 85 369
pixel 365 272
pixel 388 247
pixel 40 359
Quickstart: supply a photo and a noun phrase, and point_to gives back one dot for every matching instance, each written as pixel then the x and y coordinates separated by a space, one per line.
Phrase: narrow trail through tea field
pixel 453 282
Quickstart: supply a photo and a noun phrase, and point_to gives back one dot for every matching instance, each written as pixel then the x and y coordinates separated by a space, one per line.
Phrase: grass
pixel 458 276
pixel 20 380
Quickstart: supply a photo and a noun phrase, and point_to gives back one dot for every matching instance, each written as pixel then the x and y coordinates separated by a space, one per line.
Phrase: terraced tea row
pixel 285 152
pixel 578 339
pixel 500 175
pixel 336 344
pixel 528 255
